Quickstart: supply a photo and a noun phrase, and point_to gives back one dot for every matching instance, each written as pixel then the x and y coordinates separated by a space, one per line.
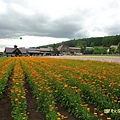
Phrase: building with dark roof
pixel 61 50
pixel 27 51
pixel 33 51
pixel 75 50
pixel 15 51
pixel 66 50
pixel 46 51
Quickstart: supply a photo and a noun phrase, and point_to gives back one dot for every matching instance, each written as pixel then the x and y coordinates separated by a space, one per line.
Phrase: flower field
pixel 87 90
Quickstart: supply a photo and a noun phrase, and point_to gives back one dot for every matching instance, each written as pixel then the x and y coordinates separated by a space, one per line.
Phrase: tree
pixel 55 49
pixel 82 45
pixel 112 51
pixel 119 47
pixel 105 42
pixel 92 44
pixel 1 54
pixel 99 50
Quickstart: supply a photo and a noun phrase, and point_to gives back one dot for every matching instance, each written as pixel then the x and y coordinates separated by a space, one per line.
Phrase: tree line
pixel 106 41
pixel 100 44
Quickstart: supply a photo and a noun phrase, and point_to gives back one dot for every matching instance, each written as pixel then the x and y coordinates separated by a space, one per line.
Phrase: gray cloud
pixel 113 30
pixel 15 24
pixel 37 25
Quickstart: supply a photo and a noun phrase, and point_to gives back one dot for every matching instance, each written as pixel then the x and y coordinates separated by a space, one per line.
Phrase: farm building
pixel 61 50
pixel 41 51
pixel 27 51
pixel 75 50
pixel 15 51
pixel 66 50
pixel 114 46
pixel 88 50
pixel 33 52
pixel 46 51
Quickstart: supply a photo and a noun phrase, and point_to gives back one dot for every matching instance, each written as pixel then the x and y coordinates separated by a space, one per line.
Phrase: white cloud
pixel 20 9
pixel 3 7
pixel 29 41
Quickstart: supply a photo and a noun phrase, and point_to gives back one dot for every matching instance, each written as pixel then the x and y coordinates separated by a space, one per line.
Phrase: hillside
pixel 106 41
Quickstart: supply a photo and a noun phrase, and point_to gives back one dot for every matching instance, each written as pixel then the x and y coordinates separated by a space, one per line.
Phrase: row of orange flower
pixel 73 83
pixel 6 66
pixel 72 102
pixel 98 81
pixel 41 90
pixel 2 59
pixel 18 93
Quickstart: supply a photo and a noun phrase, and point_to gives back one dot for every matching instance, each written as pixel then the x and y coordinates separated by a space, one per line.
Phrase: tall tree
pixel 55 49
pixel 82 45
pixel 119 47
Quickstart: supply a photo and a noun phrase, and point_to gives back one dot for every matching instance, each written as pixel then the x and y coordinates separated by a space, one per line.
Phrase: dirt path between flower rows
pixel 65 113
pixel 32 107
pixel 5 103
pixel 33 114
pixel 6 108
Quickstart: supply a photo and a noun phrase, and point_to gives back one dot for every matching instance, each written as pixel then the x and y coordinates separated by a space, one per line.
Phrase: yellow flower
pixel 108 118
pixel 16 99
pixel 58 119
pixel 101 114
pixel 65 85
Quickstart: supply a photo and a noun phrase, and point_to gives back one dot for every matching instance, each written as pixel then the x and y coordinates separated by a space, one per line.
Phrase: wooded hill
pixel 106 41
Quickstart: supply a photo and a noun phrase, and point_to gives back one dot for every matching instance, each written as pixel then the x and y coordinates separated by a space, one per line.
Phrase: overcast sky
pixel 42 22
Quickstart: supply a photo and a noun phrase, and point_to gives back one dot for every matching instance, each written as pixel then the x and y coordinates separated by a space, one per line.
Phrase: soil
pixel 104 117
pixel 33 114
pixel 5 104
pixel 65 113
pixel 32 106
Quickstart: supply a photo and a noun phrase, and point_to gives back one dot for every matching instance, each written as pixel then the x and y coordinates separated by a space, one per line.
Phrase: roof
pixel 46 49
pixel 61 46
pixel 89 48
pixel 75 48
pixel 11 50
pixel 114 46
pixel 33 51
pixel 23 50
